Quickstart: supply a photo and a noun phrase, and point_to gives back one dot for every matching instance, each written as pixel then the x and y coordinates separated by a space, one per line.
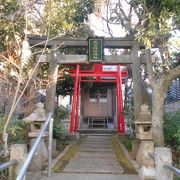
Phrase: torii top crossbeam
pixel 121 43
pixel 97 74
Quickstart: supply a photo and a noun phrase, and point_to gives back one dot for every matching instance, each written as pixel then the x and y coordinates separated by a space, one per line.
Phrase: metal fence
pixel 175 170
pixel 7 164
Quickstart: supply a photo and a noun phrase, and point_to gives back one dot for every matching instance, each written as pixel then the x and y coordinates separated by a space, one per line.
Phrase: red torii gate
pixel 97 75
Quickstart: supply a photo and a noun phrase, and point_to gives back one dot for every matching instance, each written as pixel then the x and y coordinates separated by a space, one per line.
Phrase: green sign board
pixel 95 50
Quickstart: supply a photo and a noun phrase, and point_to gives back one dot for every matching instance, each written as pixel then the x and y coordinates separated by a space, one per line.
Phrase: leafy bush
pixel 60 113
pixel 17 130
pixel 172 130
pixel 59 132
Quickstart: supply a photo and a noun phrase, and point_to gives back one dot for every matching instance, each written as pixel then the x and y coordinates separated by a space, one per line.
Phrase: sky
pixel 100 29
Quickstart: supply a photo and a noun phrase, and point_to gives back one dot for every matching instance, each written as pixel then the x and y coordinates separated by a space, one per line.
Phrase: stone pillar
pixel 52 81
pixel 163 155
pixel 147 169
pixel 19 153
pixel 137 89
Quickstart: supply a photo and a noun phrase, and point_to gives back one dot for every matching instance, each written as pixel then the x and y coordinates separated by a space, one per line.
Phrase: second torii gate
pixel 97 75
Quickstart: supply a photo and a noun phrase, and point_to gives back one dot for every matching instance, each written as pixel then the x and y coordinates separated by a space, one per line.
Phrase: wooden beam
pixel 83 59
pixel 121 43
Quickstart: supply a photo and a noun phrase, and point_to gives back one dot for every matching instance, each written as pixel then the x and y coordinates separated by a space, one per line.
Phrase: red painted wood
pixel 118 105
pixel 121 101
pixel 74 104
pixel 108 81
pixel 77 107
pixel 97 75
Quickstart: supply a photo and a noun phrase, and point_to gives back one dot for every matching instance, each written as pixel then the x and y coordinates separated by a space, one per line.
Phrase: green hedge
pixel 172 130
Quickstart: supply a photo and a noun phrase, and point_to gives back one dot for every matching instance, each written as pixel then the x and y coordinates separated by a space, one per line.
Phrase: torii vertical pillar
pixel 74 104
pixel 120 113
pixel 137 86
pixel 77 106
pixel 52 81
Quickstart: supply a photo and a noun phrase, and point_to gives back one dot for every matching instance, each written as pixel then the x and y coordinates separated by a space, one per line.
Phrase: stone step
pixel 95 155
pixel 95 161
pixel 98 131
pixel 110 150
pixel 88 176
pixel 93 168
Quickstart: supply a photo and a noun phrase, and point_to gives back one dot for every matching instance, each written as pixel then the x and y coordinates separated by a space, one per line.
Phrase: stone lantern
pixel 143 124
pixel 36 121
pixel 144 133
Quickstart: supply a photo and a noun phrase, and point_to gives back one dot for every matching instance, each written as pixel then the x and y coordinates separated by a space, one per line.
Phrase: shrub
pixel 171 130
pixel 59 132
pixel 17 130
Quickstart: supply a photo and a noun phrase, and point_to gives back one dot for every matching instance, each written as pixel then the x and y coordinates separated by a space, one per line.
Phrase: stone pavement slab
pixel 88 176
pixel 93 168
pixel 95 155
pixel 89 149
pixel 98 160
pixel 96 145
pixel 95 159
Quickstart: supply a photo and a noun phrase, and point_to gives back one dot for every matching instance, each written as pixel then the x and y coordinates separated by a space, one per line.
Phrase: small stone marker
pixel 19 153
pixel 163 155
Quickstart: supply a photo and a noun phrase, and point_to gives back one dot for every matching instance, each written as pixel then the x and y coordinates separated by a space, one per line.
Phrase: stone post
pixel 53 74
pixel 163 155
pixel 19 153
pixel 136 72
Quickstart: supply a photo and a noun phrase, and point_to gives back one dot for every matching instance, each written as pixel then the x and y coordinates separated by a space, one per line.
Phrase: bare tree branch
pixel 107 16
pixel 172 74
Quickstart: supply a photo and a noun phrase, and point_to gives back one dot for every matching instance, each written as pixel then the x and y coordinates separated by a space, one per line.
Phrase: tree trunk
pixel 157 116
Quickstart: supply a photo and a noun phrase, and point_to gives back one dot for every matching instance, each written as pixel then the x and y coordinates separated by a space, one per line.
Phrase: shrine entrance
pixel 96 108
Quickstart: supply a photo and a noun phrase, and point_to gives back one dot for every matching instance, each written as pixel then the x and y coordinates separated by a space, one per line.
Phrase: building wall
pixel 172 107
pixel 99 108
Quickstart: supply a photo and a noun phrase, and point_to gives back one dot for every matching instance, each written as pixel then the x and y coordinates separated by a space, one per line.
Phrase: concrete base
pixel 147 173
pixel 135 147
pixel 39 158
pixel 33 176
pixel 54 144
pixel 73 137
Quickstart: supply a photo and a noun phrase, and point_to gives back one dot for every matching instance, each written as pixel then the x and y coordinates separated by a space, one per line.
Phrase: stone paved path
pixel 95 155
pixel 95 160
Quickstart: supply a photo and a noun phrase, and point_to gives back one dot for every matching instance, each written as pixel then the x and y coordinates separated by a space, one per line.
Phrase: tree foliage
pixel 171 130
pixel 19 20
pixel 154 23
